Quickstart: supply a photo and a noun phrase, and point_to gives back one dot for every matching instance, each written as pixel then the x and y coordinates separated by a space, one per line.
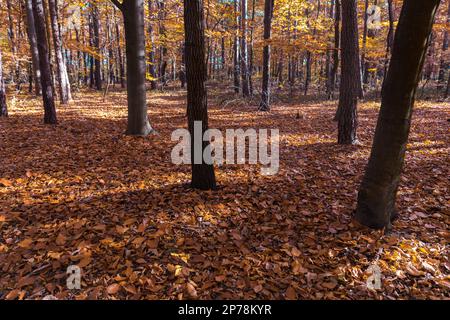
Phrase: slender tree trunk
pixel 133 18
pixel 151 54
pixel 65 94
pixel 236 50
pixel 120 58
pixel 364 71
pixel 44 63
pixel 390 37
pixel 350 80
pixel 244 51
pixel 96 34
pixel 265 93
pixel 163 48
pixel 13 41
pixel 444 64
pixel 33 47
pixel 378 190
pixel 3 106
pixel 202 173
pixel 337 46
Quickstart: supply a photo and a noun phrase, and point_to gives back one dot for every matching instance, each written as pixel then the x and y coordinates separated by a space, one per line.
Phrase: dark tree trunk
pixel 31 30
pixel 444 65
pixel 96 34
pixel 236 55
pixel 3 106
pixel 44 63
pixel 203 177
pixel 63 79
pixel 183 68
pixel 390 36
pixel 120 58
pixel 378 190
pixel 350 75
pixel 337 45
pixel 151 54
pixel 364 71
pixel 244 51
pixel 133 18
pixel 265 93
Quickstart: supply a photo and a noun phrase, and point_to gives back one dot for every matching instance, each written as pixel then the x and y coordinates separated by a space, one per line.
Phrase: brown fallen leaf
pixel 113 288
pixel 290 293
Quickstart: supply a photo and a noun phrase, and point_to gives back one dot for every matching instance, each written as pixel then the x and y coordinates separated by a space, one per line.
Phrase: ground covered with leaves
pixel 82 193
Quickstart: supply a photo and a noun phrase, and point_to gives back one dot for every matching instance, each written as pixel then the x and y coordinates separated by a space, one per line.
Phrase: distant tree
pixel 133 18
pixel 245 74
pixel 96 42
pixel 44 63
pixel 196 73
pixel 3 106
pixel 65 94
pixel 378 190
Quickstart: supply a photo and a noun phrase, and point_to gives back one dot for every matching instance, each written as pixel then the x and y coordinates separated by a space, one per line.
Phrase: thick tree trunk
pixel 31 30
pixel 44 63
pixel 3 106
pixel 133 18
pixel 265 93
pixel 350 80
pixel 378 190
pixel 203 177
pixel 65 94
pixel 244 51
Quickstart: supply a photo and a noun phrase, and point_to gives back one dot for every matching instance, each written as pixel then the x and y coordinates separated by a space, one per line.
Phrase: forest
pixel 224 149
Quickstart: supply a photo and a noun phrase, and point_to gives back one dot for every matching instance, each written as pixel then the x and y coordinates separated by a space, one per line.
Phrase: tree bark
pixel 265 93
pixel 203 177
pixel 350 75
pixel 244 51
pixel 236 55
pixel 3 105
pixel 378 190
pixel 96 43
pixel 44 63
pixel 31 31
pixel 151 54
pixel 337 45
pixel 133 18
pixel 65 94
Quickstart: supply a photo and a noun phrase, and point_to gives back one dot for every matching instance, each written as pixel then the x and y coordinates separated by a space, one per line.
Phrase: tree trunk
pixel 244 51
pixel 378 190
pixel 119 57
pixel 44 63
pixel 444 64
pixel 31 30
pixel 265 93
pixel 337 45
pixel 390 37
pixel 236 55
pixel 133 18
pixel 203 177
pixel 96 34
pixel 151 54
pixel 63 79
pixel 350 75
pixel 3 106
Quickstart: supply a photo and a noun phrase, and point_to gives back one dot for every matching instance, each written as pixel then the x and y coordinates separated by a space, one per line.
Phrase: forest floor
pixel 82 193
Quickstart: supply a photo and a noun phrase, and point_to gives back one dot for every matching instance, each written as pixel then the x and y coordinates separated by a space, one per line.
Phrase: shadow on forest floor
pixel 83 192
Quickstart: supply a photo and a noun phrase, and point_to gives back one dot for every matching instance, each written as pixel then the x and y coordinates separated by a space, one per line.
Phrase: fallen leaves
pixel 84 194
